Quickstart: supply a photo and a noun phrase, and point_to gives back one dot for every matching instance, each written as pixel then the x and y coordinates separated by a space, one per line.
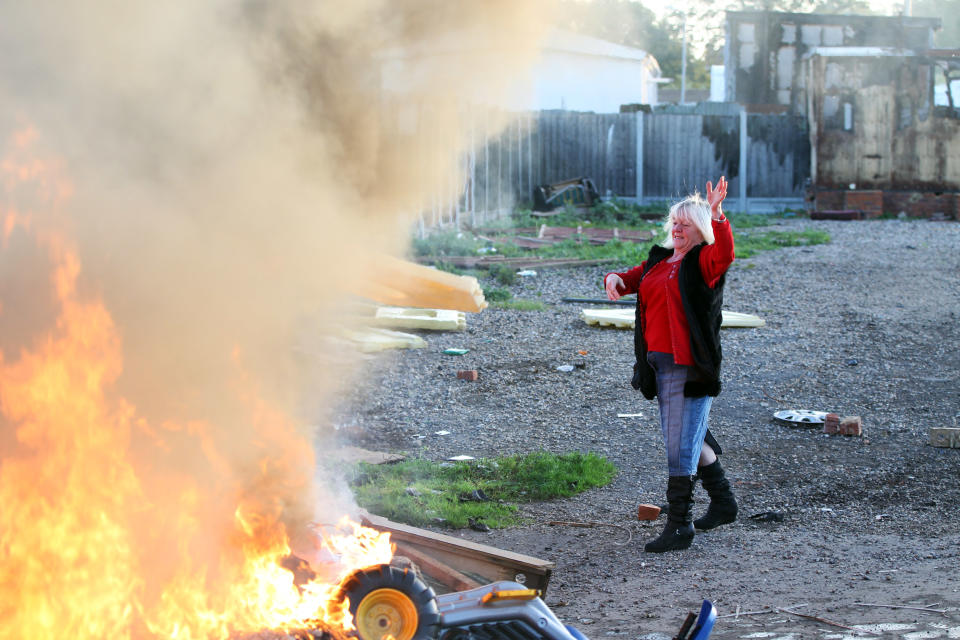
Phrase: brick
pixel 648 512
pixel 828 199
pixel 851 426
pixel 923 204
pixel 831 424
pixel 869 202
pixel 468 374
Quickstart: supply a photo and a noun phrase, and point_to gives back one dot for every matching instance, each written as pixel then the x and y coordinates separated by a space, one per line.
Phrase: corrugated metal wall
pixel 680 150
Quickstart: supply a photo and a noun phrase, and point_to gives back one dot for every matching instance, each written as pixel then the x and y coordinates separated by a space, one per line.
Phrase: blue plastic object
pixel 705 621
pixel 575 632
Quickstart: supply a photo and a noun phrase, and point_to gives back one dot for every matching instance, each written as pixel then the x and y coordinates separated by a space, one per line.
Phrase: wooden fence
pixel 643 157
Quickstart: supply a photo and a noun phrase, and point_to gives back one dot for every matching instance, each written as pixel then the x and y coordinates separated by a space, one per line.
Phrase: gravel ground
pixel 866 325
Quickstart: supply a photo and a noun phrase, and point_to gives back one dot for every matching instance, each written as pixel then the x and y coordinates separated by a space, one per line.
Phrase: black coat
pixel 701 305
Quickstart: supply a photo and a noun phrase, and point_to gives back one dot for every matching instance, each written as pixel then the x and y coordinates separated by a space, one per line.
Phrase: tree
pixel 949 12
pixel 623 22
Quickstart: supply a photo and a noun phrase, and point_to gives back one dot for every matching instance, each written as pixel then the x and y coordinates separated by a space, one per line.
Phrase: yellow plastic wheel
pixel 387 601
pixel 386 612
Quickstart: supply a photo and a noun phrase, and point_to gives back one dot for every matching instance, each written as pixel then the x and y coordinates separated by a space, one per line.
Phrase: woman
pixel 677 343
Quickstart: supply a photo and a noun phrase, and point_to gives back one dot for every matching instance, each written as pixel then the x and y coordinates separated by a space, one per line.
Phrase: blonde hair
pixel 697 211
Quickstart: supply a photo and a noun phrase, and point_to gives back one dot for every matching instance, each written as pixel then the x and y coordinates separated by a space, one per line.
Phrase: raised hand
pixel 716 195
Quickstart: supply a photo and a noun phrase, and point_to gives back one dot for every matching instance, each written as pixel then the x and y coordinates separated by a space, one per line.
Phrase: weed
pixel 496 295
pixel 420 492
pixel 504 274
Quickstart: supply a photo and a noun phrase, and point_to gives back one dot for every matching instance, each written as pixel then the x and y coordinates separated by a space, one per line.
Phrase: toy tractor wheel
pixel 386 601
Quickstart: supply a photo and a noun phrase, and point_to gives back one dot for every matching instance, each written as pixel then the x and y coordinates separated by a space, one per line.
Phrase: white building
pixel 580 73
pixel 570 71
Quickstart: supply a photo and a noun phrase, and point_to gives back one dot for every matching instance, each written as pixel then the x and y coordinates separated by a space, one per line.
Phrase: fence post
pixel 744 204
pixel 639 171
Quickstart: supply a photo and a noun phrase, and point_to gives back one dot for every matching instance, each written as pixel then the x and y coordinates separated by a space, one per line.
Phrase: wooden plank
pixel 439 571
pixel 466 556
pixel 945 437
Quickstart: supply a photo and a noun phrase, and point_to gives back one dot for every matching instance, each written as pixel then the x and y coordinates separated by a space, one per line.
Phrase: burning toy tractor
pixel 387 602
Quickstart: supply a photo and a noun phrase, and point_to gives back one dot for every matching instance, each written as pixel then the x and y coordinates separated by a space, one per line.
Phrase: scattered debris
pixel 460 458
pixel 477 495
pixel 455 351
pixel 527 273
pixel 945 437
pixel 768 516
pixel 582 352
pixel 471 375
pixel 629 415
pixel 369 340
pixel 591 524
pixel 851 426
pixel 825 621
pixel 412 491
pixel 577 191
pixel 441 433
pixel 928 608
pixel 852 362
pixel 432 319
pixel 801 417
pixel 626 318
pixel 831 423
pixel 648 512
pixel 565 368
pixel 476 525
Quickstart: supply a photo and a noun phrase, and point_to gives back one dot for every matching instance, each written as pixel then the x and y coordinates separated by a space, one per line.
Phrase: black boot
pixel 678 534
pixel 723 506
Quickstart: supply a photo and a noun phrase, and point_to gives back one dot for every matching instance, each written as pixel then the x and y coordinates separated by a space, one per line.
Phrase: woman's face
pixel 685 234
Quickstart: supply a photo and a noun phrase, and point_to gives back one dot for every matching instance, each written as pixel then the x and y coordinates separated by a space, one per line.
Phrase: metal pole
pixel 639 171
pixel 683 63
pixel 743 161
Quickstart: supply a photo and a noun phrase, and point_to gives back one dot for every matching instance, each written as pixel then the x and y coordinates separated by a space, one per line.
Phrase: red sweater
pixel 665 323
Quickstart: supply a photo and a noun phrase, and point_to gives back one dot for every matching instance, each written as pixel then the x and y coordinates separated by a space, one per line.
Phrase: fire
pixel 102 534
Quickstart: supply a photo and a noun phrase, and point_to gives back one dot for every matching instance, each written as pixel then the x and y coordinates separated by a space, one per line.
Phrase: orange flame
pixel 98 538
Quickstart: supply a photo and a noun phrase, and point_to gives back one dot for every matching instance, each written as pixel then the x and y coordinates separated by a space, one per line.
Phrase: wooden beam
pixel 439 571
pixel 465 556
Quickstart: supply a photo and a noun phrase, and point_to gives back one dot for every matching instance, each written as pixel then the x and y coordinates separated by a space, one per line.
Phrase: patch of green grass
pixel 419 492
pixel 613 251
pixel 750 220
pixel 750 243
pixel 520 305
pixel 495 294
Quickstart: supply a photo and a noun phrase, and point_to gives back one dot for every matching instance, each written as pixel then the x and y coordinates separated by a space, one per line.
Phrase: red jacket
pixel 666 328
